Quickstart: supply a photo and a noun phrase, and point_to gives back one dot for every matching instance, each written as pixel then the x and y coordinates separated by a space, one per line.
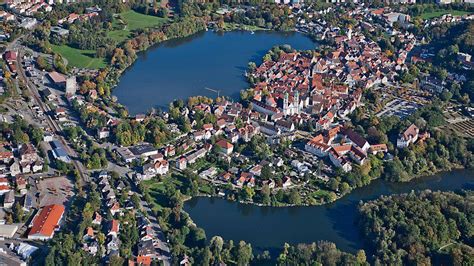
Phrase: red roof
pixel 10 56
pixel 144 260
pixel 115 226
pixel 90 231
pixel 5 155
pixel 224 144
pixel 378 147
pixel 47 220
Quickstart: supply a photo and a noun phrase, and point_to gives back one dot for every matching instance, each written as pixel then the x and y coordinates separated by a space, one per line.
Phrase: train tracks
pixel 51 123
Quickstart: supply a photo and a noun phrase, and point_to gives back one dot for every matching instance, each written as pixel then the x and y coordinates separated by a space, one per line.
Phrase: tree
pixel 197 236
pixel 294 197
pixel 266 173
pixel 446 96
pixel 216 244
pixel 360 256
pixel 244 254
pixel 43 63
pixel 423 223
pixel 247 193
pixel 333 184
pixel 344 187
pixel 101 238
pixel 116 260
pixel 9 218
pixel 265 193
pixel 18 213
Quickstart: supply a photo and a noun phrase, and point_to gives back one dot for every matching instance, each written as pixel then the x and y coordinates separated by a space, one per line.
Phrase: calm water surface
pixel 184 67
pixel 270 227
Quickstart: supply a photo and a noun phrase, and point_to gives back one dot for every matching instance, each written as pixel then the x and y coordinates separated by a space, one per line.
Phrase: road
pixel 53 125
pixel 161 238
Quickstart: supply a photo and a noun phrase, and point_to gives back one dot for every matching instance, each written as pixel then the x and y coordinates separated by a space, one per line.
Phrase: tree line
pixel 420 229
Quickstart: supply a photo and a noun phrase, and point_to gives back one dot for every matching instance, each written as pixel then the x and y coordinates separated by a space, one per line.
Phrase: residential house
pixel 409 136
pixel 181 163
pixel 225 147
pixel 103 133
pixel 114 228
pixel 9 199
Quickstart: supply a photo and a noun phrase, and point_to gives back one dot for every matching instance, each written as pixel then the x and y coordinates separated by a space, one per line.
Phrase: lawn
pixel 320 194
pixel 79 58
pixel 436 14
pixel 130 21
pixel 157 189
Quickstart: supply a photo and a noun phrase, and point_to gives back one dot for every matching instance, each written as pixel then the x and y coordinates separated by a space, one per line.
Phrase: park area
pixel 79 58
pixel 126 22
pixel 123 25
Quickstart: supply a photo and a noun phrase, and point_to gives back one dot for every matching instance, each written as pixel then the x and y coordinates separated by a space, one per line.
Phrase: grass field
pixel 157 190
pixel 436 14
pixel 132 21
pixel 79 58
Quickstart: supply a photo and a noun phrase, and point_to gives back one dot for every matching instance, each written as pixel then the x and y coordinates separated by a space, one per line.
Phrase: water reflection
pixel 271 227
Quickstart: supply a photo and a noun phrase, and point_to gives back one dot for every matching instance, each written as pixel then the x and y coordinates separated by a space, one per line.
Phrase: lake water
pixel 270 227
pixel 180 68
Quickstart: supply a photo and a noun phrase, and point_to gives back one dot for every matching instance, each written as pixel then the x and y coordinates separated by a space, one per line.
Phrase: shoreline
pixel 453 168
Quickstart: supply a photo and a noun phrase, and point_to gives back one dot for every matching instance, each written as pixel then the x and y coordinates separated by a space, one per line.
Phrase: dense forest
pixel 321 253
pixel 420 229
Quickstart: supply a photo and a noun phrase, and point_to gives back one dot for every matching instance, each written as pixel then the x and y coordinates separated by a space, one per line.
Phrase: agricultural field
pixel 126 22
pixel 79 58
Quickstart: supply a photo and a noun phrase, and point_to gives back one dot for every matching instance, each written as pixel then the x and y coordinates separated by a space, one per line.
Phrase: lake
pixel 180 68
pixel 270 227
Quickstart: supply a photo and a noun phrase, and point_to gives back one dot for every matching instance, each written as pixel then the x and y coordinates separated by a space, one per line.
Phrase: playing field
pixel 129 21
pixel 79 58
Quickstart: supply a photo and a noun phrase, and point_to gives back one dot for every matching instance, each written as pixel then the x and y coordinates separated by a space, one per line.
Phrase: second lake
pixel 270 227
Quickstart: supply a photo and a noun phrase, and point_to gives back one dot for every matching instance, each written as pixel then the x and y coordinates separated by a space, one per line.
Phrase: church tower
pixel 296 102
pixel 285 103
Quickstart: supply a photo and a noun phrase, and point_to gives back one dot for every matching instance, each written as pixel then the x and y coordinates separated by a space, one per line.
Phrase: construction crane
pixel 216 91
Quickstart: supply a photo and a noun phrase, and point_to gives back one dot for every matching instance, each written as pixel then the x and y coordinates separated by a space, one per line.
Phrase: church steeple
pixel 285 100
pixel 296 102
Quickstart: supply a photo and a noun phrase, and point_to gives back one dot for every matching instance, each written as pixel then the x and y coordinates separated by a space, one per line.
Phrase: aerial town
pixel 385 94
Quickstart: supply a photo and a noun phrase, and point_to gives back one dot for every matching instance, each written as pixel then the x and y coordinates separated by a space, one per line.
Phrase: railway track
pixel 51 123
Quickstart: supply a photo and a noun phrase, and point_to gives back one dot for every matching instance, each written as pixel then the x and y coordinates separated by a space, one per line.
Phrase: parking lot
pixel 399 107
pixel 56 190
